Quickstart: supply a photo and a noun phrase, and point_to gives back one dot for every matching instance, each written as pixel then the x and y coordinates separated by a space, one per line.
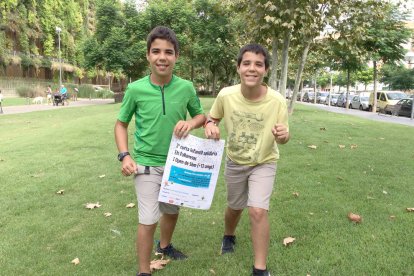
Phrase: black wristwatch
pixel 122 155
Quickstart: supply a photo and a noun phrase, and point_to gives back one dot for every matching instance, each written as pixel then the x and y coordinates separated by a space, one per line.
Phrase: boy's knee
pixel 257 214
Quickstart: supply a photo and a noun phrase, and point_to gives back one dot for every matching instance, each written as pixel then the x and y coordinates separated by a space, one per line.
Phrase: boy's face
pixel 162 58
pixel 252 69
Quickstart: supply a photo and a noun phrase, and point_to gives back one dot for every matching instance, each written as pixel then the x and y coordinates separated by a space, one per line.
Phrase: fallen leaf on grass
pixel 75 261
pixel 341 146
pixel 130 205
pixel 354 217
pixel 385 192
pixel 60 192
pixel 107 214
pixel 339 178
pixel 288 240
pixel 102 176
pixel 212 271
pixel 410 209
pixel 295 194
pixel 312 146
pixel 353 146
pixel 158 264
pixel 92 205
pixel 392 217
pixel 381 138
pixel 322 128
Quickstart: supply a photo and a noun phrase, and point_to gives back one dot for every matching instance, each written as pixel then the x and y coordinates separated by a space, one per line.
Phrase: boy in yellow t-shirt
pixel 256 121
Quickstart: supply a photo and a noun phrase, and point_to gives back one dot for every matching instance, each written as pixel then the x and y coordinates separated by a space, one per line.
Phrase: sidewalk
pixel 364 114
pixel 7 110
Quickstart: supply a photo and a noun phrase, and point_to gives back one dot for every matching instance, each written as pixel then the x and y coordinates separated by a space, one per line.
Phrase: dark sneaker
pixel 228 243
pixel 260 272
pixel 143 274
pixel 171 252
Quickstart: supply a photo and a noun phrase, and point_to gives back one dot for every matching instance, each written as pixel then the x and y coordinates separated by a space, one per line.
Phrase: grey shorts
pixel 147 187
pixel 249 185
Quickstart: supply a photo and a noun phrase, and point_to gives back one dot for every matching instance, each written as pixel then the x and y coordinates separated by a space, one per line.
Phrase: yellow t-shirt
pixel 249 124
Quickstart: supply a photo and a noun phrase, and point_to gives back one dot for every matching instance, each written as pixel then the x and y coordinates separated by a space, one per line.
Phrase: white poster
pixel 191 172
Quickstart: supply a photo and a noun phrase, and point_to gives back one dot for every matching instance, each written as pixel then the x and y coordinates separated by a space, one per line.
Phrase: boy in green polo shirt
pixel 160 103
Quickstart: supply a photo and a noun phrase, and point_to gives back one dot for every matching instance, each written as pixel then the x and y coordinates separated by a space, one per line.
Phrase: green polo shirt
pixel 157 109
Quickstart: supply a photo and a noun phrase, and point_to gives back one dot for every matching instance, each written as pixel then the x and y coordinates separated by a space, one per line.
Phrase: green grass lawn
pixel 14 101
pixel 42 232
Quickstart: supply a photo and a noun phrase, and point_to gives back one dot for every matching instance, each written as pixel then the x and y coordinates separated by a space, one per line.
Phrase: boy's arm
pixel 121 138
pixel 281 133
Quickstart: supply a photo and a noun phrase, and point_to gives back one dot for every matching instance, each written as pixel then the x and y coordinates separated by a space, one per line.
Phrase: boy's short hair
pixel 254 48
pixel 165 33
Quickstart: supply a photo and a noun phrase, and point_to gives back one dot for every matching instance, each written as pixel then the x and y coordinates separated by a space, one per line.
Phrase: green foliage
pixel 30 92
pixel 398 77
pixel 86 91
pixel 26 61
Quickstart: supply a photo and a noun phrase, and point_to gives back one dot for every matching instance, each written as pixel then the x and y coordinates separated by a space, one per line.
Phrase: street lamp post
pixel 59 30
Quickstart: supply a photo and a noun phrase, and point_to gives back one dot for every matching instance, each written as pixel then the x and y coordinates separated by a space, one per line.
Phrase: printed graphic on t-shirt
pixel 247 130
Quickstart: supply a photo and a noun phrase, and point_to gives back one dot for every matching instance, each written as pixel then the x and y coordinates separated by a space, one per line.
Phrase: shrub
pixel 86 91
pixel 31 92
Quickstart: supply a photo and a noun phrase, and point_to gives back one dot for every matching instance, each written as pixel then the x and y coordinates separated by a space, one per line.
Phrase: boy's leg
pixel 167 227
pixel 261 181
pixel 231 220
pixel 259 229
pixel 147 187
pixel 145 237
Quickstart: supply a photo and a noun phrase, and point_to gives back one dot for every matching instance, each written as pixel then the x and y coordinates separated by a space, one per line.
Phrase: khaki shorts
pixel 147 186
pixel 249 185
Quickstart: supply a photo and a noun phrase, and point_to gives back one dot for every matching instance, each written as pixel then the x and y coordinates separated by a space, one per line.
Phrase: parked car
pixel 309 97
pixel 385 98
pixel 341 102
pixel 333 98
pixel 359 102
pixel 321 96
pixel 401 108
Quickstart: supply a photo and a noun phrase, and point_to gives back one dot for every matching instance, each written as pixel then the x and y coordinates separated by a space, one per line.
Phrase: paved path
pixel 38 107
pixel 364 114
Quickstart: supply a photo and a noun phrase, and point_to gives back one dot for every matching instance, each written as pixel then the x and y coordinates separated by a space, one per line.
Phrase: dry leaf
pixel 353 146
pixel 92 205
pixel 339 178
pixel 130 205
pixel 312 146
pixel 385 192
pixel 341 146
pixel 212 271
pixel 355 217
pixel 75 261
pixel 107 214
pixel 410 209
pixel 288 240
pixel 102 176
pixel 60 192
pixel 322 128
pixel 392 217
pixel 295 194
pixel 158 264
pixel 381 138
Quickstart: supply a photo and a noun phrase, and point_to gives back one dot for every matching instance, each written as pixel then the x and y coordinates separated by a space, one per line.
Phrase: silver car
pixel 359 102
pixel 333 98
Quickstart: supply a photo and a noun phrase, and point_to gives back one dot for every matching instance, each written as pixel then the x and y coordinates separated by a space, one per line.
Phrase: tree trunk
pixel 214 82
pixel 299 73
pixel 275 61
pixel 285 63
pixel 374 107
pixel 314 90
pixel 348 79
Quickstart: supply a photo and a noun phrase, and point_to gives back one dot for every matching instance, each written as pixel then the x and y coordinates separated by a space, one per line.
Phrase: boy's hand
pixel 129 166
pixel 182 128
pixel 280 133
pixel 212 131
